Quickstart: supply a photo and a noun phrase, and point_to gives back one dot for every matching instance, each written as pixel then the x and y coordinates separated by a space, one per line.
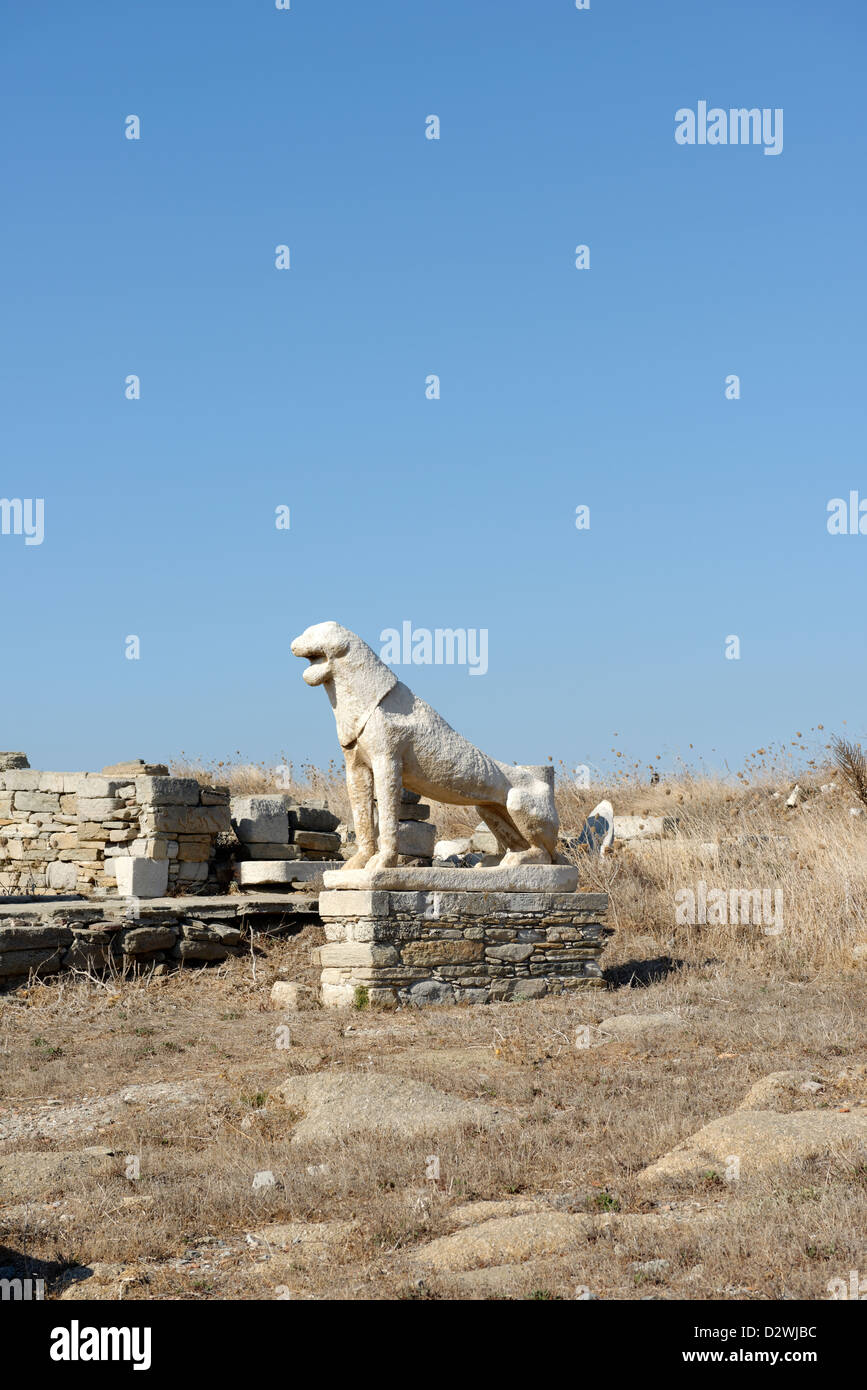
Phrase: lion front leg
pixel 388 781
pixel 359 784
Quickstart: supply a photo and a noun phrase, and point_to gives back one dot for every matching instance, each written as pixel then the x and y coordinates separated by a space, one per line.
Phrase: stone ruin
pixel 166 871
pixel 138 834
pixel 135 831
pixel 132 867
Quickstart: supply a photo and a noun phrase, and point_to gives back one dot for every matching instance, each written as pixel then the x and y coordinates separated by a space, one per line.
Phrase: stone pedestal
pixel 444 936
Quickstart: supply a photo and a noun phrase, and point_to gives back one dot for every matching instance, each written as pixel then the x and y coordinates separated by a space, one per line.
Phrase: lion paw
pixel 358 861
pixel 536 855
pixel 382 860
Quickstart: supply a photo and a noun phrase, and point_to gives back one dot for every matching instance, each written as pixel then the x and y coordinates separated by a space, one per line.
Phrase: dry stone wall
pixel 90 833
pixel 116 937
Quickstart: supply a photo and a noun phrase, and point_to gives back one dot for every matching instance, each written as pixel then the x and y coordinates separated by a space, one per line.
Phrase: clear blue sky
pixel 409 257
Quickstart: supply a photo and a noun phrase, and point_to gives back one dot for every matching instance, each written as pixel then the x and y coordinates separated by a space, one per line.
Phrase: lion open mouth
pixel 319 668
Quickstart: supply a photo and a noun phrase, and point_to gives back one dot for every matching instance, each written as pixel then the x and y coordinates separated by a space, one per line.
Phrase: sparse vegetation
pixel 590 1118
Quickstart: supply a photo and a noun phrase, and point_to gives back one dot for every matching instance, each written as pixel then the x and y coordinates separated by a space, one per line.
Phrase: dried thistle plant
pixel 850 761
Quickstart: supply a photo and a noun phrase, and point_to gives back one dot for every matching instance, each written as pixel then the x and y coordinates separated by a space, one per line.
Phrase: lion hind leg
pixel 533 811
pixel 500 823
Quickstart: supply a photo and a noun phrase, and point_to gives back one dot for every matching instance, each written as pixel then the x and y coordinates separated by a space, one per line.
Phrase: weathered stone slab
pixel 348 954
pixel 186 820
pixel 762 1140
pixel 643 827
pixel 86 955
pixel 261 819
pixel 416 838
pixel 136 767
pixel 443 952
pixel 583 905
pixel 518 878
pixel 24 781
pixel 351 903
pixel 14 963
pixel 336 1105
pixel 312 818
pixel 37 801
pixel 188 949
pixel 21 935
pixel 483 840
pixel 220 933
pixel 192 872
pixel 253 872
pixel 140 940
pixel 98 808
pixel 167 791
pixel 317 840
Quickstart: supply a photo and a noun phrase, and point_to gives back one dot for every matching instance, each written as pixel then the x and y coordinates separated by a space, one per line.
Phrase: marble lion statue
pixel 392 739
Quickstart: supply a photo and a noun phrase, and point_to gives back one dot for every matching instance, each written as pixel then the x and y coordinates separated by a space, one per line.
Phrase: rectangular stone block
pixel 62 877
pixel 416 838
pixel 142 878
pixel 98 808
pixel 428 952
pixel 92 784
pixel 214 796
pixel 86 955
pixel 223 933
pixel 37 801
pixel 193 850
pixel 21 781
pixel 643 827
pixel 512 953
pixel 350 903
pixel 312 818
pixel 14 963
pixel 310 872
pixel 186 820
pixel 140 940
pixel 261 819
pixel 21 935
pixel 200 950
pixel 348 955
pixel 253 873
pixel 167 791
pixel 317 839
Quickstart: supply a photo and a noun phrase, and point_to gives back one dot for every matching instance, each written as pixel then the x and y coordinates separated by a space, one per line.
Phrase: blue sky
pixel 410 257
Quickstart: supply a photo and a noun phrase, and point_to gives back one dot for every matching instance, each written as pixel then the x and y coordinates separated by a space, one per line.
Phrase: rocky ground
pixel 697 1131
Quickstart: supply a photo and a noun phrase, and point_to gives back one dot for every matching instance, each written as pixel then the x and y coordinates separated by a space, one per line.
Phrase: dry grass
pixel 589 1119
pixel 306 783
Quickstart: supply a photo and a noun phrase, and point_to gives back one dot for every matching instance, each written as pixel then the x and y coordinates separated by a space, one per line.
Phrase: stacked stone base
pixel 392 948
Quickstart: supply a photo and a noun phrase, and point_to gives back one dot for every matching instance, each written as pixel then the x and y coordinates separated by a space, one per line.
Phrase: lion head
pixel 354 677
